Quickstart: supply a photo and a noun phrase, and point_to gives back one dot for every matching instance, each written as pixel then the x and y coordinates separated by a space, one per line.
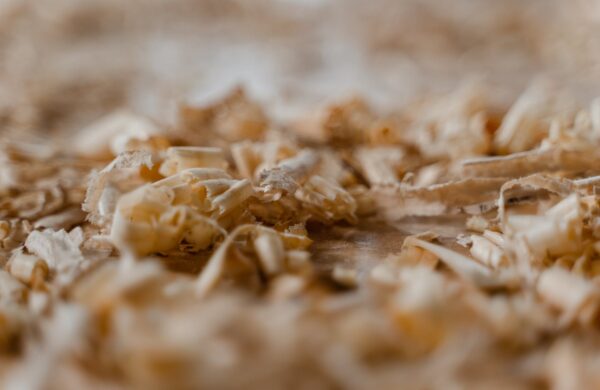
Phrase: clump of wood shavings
pixel 200 255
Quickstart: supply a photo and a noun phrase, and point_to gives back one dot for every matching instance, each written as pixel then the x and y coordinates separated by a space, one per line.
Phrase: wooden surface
pixel 371 240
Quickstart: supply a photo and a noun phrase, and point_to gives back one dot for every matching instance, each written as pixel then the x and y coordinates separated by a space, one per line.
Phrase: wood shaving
pixel 181 158
pixel 114 134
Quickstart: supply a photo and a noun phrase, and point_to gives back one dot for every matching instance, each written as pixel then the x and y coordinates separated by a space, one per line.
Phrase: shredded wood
pixel 445 243
pixel 231 243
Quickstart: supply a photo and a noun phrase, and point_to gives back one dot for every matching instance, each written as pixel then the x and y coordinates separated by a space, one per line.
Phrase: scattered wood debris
pixel 149 258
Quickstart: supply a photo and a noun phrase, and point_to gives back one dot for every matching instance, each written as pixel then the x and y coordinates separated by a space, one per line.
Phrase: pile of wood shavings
pixel 200 255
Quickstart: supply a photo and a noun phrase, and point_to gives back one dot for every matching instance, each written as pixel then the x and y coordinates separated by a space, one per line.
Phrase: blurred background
pixel 64 63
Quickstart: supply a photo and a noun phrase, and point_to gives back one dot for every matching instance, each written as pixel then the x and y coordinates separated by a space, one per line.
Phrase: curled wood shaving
pixel 326 201
pixel 381 165
pixel 290 173
pixel 234 118
pixel 346 123
pixel 528 184
pixel 252 158
pixel 530 162
pixel 184 157
pixel 525 124
pixel 576 297
pixel 62 220
pixel 114 134
pixel 557 232
pixel 60 251
pixel 103 192
pixel 462 265
pixel 477 194
pixel 270 252
pixel 452 126
pixel 150 220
